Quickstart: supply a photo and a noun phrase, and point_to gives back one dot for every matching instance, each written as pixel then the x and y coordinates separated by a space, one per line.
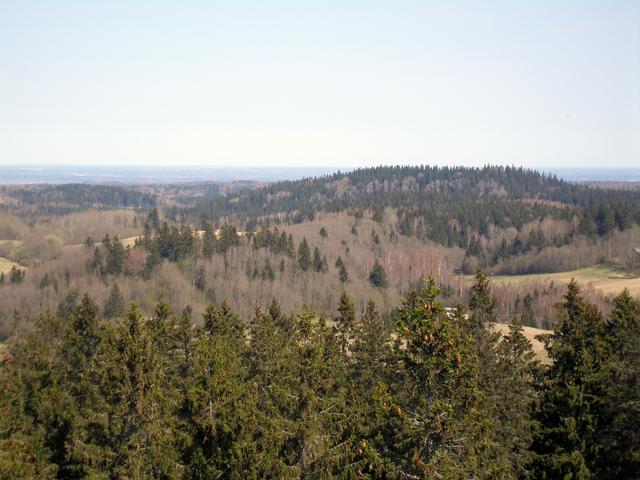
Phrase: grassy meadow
pixel 607 278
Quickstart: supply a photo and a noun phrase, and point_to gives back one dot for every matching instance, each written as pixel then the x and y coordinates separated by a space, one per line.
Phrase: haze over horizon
pixel 338 85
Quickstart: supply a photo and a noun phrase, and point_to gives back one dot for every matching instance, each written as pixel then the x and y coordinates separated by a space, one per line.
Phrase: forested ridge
pixel 452 206
pixel 421 393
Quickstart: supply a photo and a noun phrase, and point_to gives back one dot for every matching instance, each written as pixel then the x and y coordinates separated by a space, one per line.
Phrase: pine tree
pixel 345 321
pixel 316 261
pixel 30 403
pixel 115 256
pixel 434 397
pixel 96 264
pixel 140 439
pixel 200 280
pixel 503 398
pixel 153 219
pixel 517 372
pixel 528 317
pixel 208 241
pixel 377 275
pixel 370 374
pixel 567 393
pixel 273 356
pixel 615 444
pixel 304 255
pixel 69 304
pixel 343 275
pixel 114 306
pixel 83 422
pixel 220 400
pixel 320 431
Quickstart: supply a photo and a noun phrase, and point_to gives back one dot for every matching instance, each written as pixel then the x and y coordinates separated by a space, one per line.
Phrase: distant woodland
pixel 304 242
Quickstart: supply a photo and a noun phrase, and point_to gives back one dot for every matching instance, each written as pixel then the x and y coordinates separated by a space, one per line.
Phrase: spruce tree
pixel 31 403
pixel 69 304
pixel 345 321
pixel 498 378
pixel 615 444
pixel 377 275
pixel 272 357
pixel 304 255
pixel 208 241
pixel 517 371
pixel 343 275
pixel 141 437
pixel 568 393
pixel 220 400
pixel 433 402
pixel 114 306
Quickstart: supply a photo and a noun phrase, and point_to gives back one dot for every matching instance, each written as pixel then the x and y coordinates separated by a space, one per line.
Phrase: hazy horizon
pixel 132 174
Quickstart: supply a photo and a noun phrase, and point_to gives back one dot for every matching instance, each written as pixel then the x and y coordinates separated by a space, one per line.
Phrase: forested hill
pixel 66 198
pixel 417 187
pixel 494 213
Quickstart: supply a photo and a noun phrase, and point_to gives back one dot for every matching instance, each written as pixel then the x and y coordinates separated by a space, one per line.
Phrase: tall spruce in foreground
pixel 433 404
pixel 515 427
pixel 28 379
pixel 505 371
pixel 272 357
pixel 140 440
pixel 321 418
pixel 220 400
pixel 615 444
pixel 570 393
pixel 370 373
pixel 80 364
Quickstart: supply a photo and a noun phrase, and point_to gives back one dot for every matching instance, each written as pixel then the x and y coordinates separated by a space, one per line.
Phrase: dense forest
pixel 420 393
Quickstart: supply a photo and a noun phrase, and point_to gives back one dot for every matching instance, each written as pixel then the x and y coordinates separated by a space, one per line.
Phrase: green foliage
pixel 427 393
pixel 378 276
pixel 567 391
pixel 114 305
pixel 304 255
pixel 16 275
pixel 345 321
pixel 343 275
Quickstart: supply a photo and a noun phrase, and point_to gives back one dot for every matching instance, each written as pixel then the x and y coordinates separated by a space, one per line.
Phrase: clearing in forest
pixel 606 278
pixel 6 264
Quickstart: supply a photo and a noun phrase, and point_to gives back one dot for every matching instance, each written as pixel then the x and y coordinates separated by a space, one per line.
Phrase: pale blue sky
pixel 335 83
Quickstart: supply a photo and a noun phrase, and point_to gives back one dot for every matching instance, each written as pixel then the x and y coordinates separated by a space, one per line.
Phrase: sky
pixel 333 83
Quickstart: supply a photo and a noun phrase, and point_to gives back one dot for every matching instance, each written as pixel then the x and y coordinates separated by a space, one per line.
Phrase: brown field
pixel 608 280
pixel 6 264
pixel 531 333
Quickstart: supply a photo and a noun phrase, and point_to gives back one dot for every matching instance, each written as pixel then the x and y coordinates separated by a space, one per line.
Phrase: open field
pixel 531 333
pixel 10 243
pixel 605 278
pixel 6 264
